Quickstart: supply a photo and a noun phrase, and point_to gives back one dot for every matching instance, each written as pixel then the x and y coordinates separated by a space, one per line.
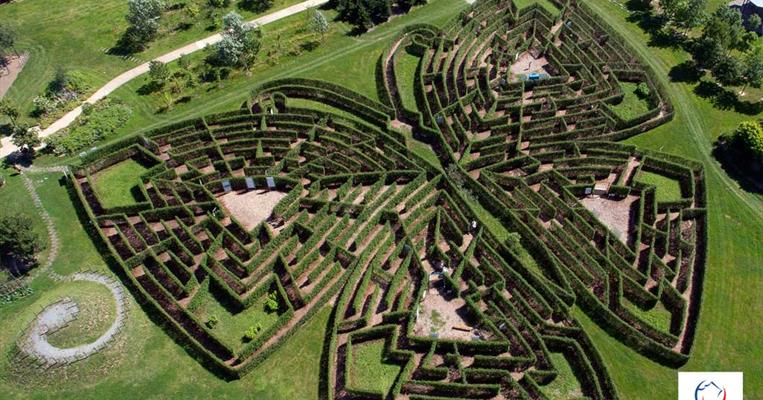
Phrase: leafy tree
pixel 752 68
pixel 318 23
pixel 671 8
pixel 728 70
pixel 159 72
pixel 642 90
pixel 252 332
pixel 18 241
pixel 26 139
pixel 9 110
pixel 240 42
pixel 379 10
pixel 143 17
pixel 725 27
pixel 691 14
pixel 219 3
pixel 749 136
pixel 753 22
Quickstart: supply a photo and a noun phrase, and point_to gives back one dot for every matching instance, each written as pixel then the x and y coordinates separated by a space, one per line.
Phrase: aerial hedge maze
pixel 308 195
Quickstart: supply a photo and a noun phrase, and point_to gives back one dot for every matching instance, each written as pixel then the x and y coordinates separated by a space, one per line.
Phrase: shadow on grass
pixel 726 99
pixel 739 167
pixel 642 14
pixel 686 72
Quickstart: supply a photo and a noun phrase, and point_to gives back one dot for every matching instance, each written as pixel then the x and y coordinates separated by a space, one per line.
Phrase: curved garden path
pixel 57 315
pixel 62 312
pixel 8 147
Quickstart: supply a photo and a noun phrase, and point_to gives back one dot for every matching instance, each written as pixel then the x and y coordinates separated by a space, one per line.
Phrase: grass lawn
pixel 232 326
pixel 77 36
pixel 369 371
pixel 118 185
pixel 549 6
pixel 97 311
pixel 632 105
pixel 658 317
pixel 422 149
pixel 667 189
pixel 17 201
pixel 566 386
pixel 405 70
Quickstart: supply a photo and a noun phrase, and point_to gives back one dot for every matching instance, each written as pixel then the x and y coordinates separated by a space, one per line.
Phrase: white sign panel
pixel 710 386
pixel 249 182
pixel 271 182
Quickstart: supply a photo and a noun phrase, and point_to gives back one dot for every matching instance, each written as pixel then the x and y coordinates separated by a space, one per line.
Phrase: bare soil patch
pixel 440 316
pixel 614 214
pixel 252 207
pixel 526 64
pixel 7 76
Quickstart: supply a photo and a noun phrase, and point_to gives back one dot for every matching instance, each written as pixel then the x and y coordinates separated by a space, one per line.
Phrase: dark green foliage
pixel 256 5
pixel 748 139
pixel 143 17
pixel 19 243
pixel 97 122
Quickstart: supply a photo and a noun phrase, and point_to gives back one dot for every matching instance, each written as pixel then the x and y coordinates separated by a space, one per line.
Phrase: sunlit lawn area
pixel 369 371
pixel 233 325
pixel 118 185
pixel 667 189
pixel 632 105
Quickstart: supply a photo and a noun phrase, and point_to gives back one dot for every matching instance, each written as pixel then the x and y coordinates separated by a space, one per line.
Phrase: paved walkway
pixel 114 84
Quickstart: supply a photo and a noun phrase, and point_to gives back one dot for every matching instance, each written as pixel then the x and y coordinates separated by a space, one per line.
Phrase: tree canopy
pixel 240 43
pixel 18 240
pixel 143 17
pixel 749 137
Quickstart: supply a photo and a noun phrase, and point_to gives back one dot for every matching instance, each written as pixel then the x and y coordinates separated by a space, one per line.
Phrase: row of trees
pixel 239 48
pixel 728 50
pixel 144 17
pixel 727 45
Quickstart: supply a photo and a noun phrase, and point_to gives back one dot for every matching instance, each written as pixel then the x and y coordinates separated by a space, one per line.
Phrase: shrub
pixel 642 90
pixel 271 303
pixel 96 123
pixel 252 332
pixel 748 137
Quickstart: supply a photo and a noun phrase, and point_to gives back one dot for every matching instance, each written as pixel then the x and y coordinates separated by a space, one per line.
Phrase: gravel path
pixel 60 313
pixel 65 311
pixel 8 147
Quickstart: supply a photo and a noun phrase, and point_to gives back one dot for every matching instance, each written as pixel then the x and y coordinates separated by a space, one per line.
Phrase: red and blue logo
pixel 709 390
